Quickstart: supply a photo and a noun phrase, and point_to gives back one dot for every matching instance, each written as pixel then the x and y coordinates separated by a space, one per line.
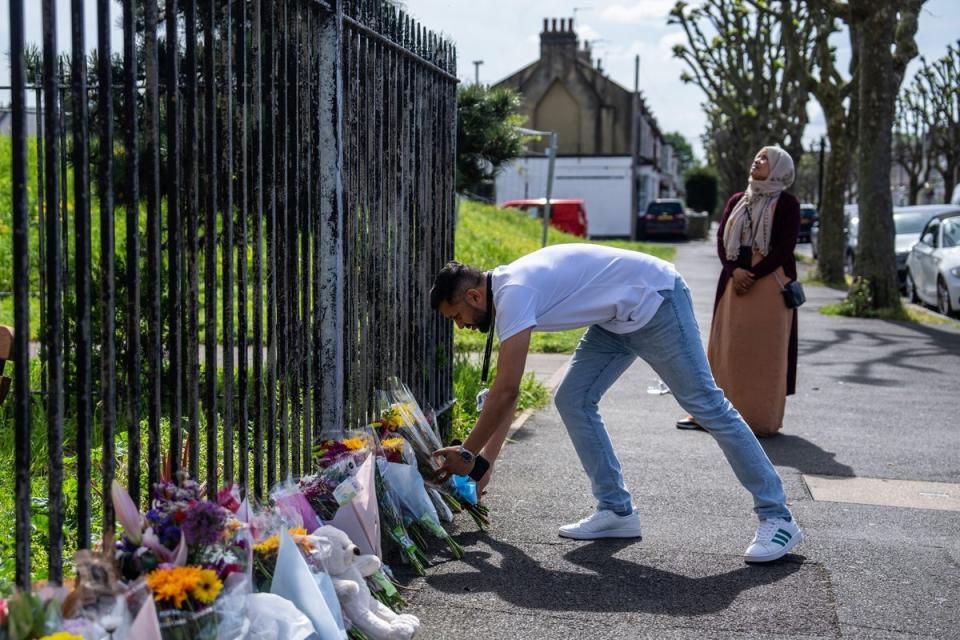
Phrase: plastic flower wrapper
pixel 407 485
pixel 290 498
pixel 271 617
pixel 294 581
pixel 184 597
pixel 422 436
pixel 31 616
pixel 392 518
pixel 265 554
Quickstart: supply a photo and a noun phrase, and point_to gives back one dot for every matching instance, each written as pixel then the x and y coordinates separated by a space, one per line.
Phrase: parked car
pixel 910 222
pixel 808 218
pixel 907 221
pixel 568 215
pixel 850 218
pixel 664 216
pixel 933 265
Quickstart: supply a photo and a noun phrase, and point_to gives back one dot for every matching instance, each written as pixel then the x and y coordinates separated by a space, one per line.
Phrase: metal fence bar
pixel 154 266
pixel 53 322
pixel 108 294
pixel 132 204
pixel 227 213
pixel 210 239
pixel 81 217
pixel 270 173
pixel 258 210
pixel 243 104
pixel 21 297
pixel 174 242
pixel 192 185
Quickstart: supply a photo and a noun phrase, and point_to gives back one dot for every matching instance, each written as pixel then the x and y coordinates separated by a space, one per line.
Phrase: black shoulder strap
pixel 489 346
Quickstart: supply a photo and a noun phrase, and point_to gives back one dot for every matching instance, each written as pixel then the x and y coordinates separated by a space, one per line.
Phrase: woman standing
pixel 753 338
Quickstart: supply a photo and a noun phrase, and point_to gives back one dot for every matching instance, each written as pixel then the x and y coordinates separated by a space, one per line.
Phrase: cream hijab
pixel 757 205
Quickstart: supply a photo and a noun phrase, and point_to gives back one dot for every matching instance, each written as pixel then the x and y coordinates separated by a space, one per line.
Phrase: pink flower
pixel 229 498
pixel 127 512
pixel 3 611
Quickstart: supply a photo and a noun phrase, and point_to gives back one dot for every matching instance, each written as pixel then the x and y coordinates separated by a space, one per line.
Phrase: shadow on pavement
pixel 609 584
pixel 806 457
pixel 904 352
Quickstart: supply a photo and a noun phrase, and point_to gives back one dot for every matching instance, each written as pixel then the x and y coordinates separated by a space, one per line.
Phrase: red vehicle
pixel 565 215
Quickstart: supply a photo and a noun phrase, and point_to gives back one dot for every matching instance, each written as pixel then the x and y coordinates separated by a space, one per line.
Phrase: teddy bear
pixel 348 568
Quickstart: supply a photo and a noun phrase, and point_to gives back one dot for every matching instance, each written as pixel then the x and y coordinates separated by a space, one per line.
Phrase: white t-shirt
pixel 567 286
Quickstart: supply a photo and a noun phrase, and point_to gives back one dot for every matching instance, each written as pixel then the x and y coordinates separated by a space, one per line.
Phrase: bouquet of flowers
pixel 185 597
pixel 400 408
pixel 402 485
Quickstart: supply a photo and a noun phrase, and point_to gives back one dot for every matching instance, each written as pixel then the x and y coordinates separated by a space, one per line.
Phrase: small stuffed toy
pixel 347 569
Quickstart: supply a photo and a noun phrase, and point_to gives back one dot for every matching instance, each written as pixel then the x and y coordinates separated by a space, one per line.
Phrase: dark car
pixel 664 216
pixel 808 218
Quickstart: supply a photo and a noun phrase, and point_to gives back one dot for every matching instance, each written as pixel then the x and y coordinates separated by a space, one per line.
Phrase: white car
pixel 933 266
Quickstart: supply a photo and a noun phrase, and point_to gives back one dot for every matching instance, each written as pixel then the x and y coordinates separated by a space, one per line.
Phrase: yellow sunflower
pixel 208 586
pixel 354 443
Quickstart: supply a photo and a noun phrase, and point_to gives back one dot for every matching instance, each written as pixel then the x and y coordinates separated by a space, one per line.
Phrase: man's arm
pixel 498 409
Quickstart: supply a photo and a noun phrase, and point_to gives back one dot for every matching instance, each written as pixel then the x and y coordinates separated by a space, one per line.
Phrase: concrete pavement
pixel 875 400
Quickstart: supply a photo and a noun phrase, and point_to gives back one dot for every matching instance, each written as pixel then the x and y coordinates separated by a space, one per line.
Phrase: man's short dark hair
pixel 452 281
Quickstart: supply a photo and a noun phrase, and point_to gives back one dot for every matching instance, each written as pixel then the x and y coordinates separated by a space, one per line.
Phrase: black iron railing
pixel 281 174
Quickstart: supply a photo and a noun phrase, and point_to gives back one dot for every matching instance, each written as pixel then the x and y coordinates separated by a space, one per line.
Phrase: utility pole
pixel 820 176
pixel 476 71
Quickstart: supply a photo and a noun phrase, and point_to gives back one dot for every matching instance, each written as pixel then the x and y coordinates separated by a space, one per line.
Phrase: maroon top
pixel 783 240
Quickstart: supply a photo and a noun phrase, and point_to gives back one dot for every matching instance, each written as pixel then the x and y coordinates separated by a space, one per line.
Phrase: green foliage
pixel 466 384
pixel 682 150
pixel 701 187
pixel 487 133
pixel 859 304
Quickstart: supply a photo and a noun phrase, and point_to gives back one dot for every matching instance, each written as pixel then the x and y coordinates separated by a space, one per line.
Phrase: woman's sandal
pixel 688 423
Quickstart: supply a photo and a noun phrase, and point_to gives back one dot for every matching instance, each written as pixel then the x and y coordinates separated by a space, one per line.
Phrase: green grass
pixel 905 313
pixel 466 384
pixel 488 237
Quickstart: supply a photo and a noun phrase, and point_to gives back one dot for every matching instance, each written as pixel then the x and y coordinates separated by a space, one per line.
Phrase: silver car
pixel 933 266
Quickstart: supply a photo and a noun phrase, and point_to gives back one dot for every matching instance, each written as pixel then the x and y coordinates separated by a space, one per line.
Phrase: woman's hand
pixel 742 281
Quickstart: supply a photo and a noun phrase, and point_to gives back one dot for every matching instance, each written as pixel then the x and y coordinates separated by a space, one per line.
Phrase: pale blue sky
pixel 504 34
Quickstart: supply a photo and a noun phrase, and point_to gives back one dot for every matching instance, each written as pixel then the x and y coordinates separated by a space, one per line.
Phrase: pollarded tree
pixel 911 138
pixel 753 71
pixel 886 35
pixel 941 79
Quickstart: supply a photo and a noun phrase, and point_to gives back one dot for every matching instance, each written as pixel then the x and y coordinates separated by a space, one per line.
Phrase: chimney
pixel 584 53
pixel 556 40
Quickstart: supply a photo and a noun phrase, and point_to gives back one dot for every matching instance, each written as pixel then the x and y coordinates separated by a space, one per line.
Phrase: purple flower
pixel 204 523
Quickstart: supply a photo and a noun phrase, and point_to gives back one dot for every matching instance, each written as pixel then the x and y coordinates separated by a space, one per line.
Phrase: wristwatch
pixel 466 454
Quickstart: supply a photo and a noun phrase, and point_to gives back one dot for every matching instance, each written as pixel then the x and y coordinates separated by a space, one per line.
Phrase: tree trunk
pixel 876 259
pixel 949 181
pixel 914 188
pixel 831 241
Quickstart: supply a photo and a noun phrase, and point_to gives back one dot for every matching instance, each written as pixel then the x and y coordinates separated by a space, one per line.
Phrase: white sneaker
pixel 775 537
pixel 603 524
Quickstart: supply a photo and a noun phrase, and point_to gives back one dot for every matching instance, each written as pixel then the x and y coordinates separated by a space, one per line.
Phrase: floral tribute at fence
pixel 307 563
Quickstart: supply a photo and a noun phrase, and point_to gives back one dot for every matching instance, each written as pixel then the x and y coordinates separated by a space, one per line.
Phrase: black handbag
pixel 793 294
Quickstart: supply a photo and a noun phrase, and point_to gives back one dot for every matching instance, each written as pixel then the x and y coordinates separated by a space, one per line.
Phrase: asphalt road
pixel 875 399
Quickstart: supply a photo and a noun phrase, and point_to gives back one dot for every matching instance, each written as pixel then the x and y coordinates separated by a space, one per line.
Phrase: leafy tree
pixel 911 138
pixel 939 83
pixel 487 133
pixel 701 186
pixel 682 150
pixel 886 37
pixel 752 65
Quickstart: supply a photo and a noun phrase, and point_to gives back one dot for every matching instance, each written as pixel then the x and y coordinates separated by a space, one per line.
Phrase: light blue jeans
pixel 670 343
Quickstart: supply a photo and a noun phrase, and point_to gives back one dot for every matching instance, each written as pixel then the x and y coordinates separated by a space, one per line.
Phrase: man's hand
pixel 742 281
pixel 453 464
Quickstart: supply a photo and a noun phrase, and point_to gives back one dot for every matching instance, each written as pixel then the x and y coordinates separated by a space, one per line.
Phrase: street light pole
pixel 552 150
pixel 476 71
pixel 820 177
